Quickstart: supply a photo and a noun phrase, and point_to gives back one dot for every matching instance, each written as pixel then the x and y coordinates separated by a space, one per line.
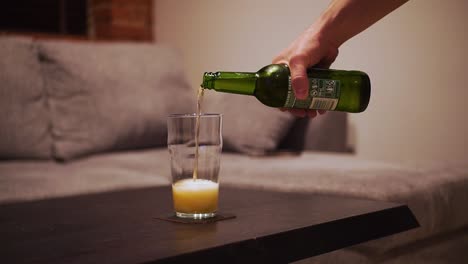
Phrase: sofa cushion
pixel 35 180
pixel 434 191
pixel 105 96
pixel 326 132
pixel 24 121
pixel 249 127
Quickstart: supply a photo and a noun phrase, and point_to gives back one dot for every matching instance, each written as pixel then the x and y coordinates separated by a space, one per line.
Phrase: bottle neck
pixel 230 82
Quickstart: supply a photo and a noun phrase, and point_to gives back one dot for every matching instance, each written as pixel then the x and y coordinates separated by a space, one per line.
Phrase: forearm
pixel 344 19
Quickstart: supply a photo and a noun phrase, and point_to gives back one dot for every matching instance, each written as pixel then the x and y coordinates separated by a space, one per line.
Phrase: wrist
pixel 329 28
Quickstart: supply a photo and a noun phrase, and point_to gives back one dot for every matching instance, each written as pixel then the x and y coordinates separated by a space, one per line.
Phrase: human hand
pixel 306 51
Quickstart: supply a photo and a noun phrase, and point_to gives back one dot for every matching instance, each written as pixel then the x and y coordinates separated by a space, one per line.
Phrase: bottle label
pixel 323 94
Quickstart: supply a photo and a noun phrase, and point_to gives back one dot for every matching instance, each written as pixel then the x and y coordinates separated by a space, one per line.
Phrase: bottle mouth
pixel 210 75
pixel 208 78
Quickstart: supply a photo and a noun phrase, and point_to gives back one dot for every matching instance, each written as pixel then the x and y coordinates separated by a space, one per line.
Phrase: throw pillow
pixel 249 127
pixel 108 96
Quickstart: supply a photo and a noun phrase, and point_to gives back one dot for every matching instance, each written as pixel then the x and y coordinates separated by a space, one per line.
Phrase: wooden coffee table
pixel 120 227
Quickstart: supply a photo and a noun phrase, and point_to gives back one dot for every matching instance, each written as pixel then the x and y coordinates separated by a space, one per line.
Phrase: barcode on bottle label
pixel 323 103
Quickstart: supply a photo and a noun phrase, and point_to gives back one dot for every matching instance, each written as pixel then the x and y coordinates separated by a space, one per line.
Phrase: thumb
pixel 299 80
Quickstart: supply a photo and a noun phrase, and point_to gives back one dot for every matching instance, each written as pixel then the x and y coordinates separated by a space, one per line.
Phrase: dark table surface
pixel 120 227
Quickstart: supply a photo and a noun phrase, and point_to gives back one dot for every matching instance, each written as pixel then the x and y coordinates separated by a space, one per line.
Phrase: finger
pixel 327 61
pixel 299 81
pixel 322 112
pixel 279 59
pixel 311 113
pixel 298 112
pixel 282 57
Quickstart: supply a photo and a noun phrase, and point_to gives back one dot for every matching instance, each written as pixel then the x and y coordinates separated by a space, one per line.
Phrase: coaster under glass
pixel 217 217
pixel 196 215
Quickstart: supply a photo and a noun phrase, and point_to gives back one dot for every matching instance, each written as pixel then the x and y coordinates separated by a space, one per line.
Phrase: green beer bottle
pixel 336 90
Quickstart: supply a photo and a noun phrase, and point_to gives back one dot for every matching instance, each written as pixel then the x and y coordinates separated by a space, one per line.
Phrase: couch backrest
pixel 63 100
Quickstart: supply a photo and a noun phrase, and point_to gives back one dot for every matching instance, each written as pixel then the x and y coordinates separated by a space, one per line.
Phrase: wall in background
pixel 121 20
pixel 416 57
pixel 108 20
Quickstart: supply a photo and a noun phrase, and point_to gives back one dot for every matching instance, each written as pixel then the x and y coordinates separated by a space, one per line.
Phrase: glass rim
pixel 194 115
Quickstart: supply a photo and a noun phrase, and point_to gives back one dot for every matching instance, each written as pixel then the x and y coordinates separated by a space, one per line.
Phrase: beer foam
pixel 195 185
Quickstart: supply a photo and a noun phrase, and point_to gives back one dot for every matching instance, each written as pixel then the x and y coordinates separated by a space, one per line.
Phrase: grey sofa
pixel 80 118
